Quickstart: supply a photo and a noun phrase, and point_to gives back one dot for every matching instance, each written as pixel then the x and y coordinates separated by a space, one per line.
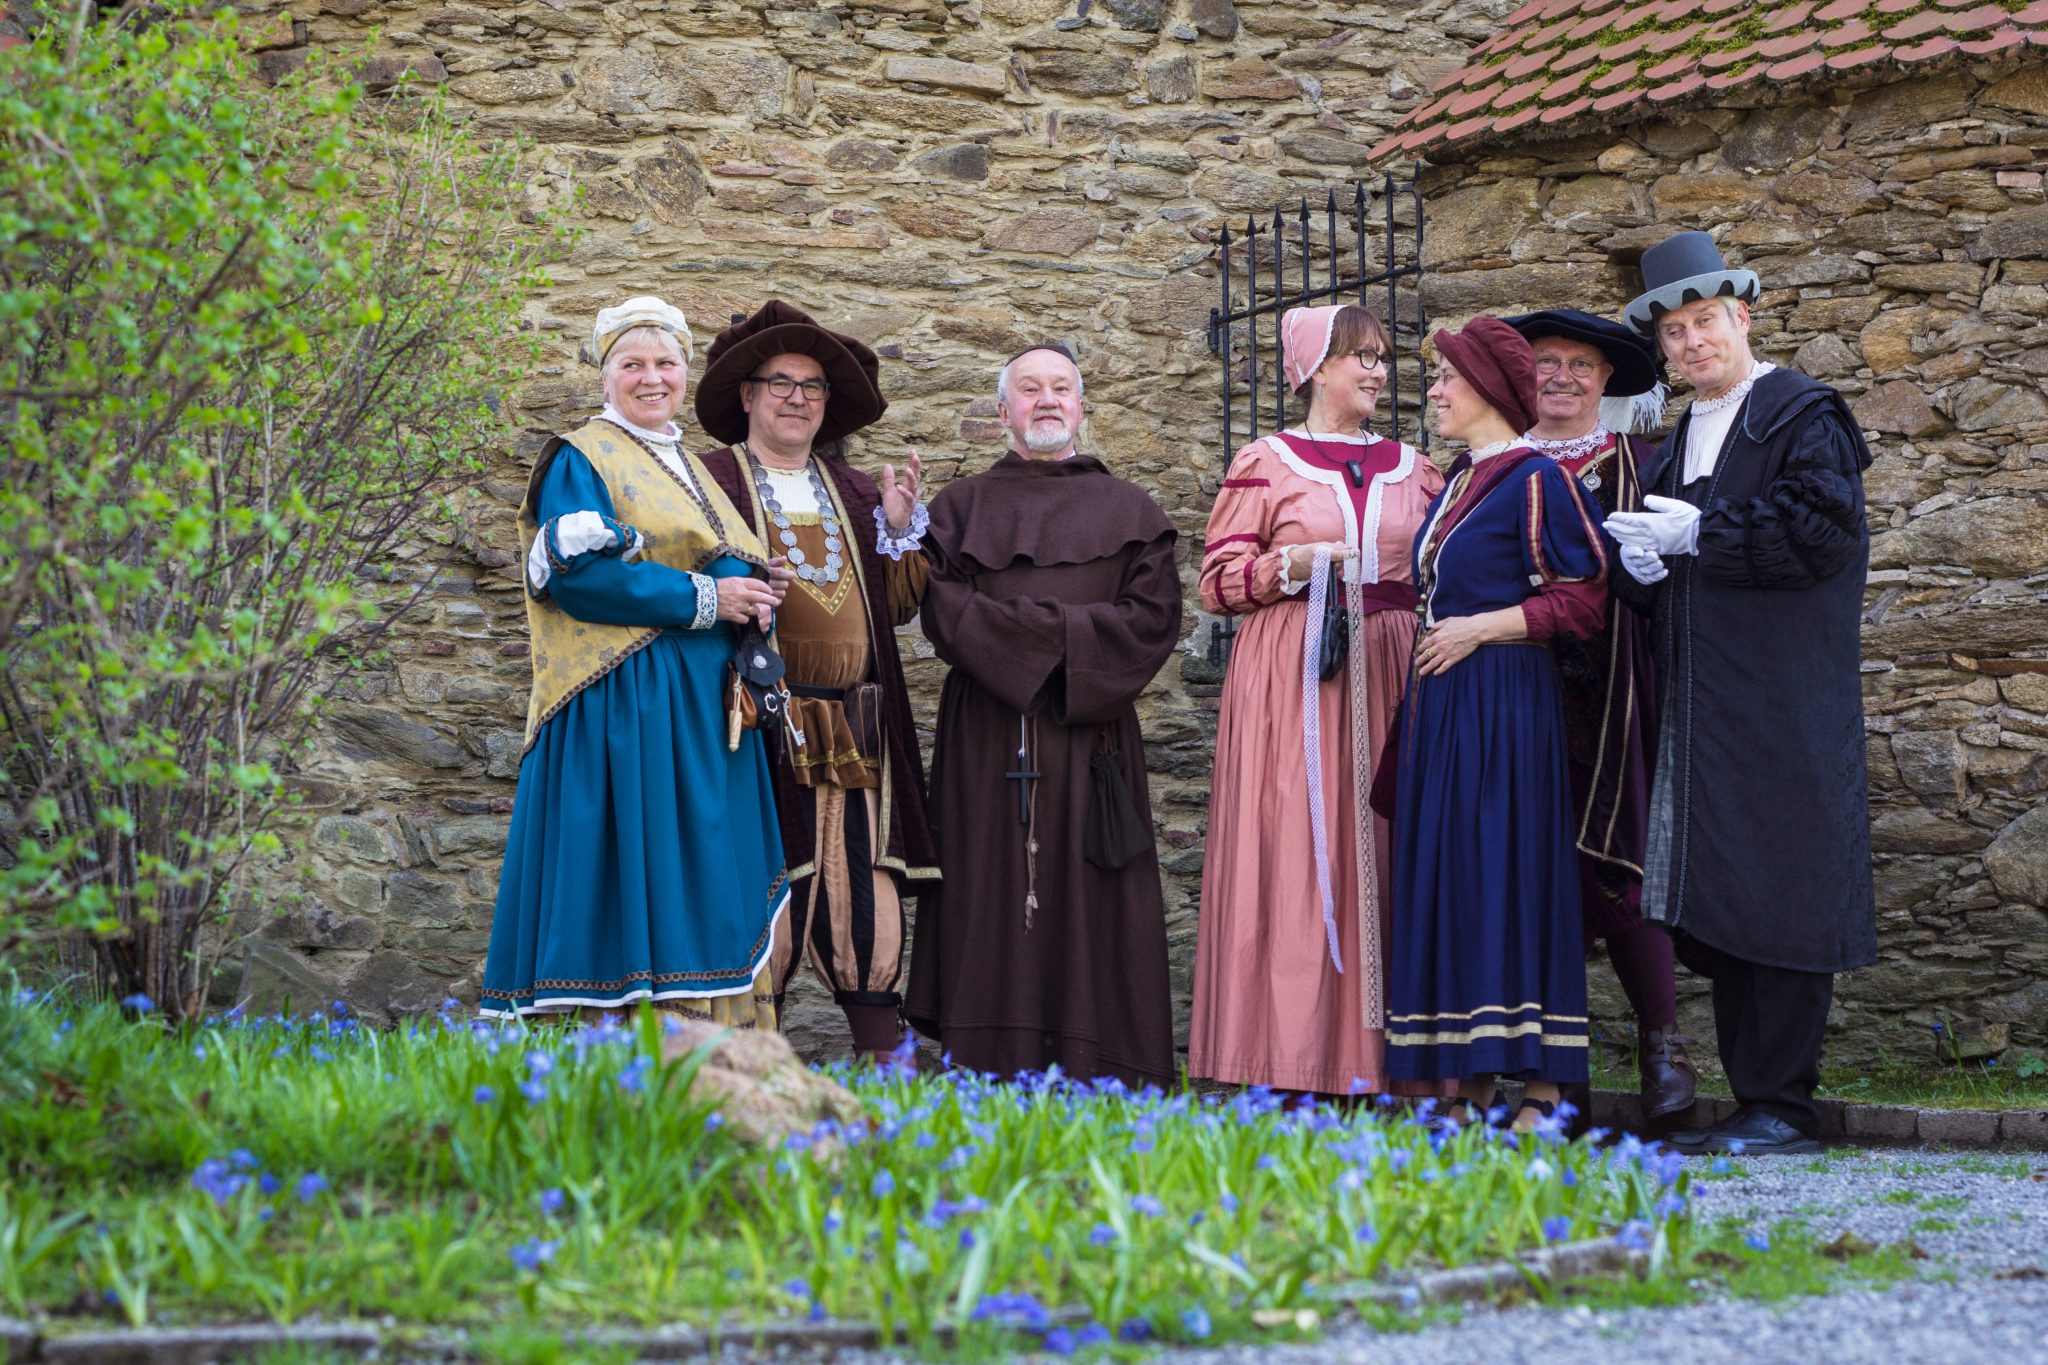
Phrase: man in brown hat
pixel 780 391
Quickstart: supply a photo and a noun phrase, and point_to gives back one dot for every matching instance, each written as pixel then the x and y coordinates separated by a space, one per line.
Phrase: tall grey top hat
pixel 1685 269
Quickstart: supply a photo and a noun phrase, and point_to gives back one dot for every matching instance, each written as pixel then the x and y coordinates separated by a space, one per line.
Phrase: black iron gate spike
pixel 1224 318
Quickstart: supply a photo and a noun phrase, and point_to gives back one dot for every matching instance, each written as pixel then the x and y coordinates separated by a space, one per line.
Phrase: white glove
pixel 1670 526
pixel 1644 566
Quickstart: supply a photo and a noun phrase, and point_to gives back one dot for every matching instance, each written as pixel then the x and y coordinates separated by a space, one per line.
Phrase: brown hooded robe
pixel 1055 598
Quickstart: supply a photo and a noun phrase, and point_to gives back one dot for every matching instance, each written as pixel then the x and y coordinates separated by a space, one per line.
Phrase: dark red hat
pixel 778 328
pixel 1496 360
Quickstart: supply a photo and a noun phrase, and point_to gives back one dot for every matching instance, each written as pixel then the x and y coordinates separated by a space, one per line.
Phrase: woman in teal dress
pixel 644 861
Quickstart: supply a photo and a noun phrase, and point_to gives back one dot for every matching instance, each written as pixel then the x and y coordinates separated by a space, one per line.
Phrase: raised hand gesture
pixel 900 496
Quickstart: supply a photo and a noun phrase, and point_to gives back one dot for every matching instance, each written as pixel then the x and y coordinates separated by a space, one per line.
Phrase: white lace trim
pixel 707 601
pixel 1489 451
pixel 1569 447
pixel 1703 407
pixel 895 546
pixel 1312 742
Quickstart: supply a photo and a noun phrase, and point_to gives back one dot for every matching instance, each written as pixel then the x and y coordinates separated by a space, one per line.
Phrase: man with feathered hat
pixel 1597 382
pixel 1753 545
pixel 780 392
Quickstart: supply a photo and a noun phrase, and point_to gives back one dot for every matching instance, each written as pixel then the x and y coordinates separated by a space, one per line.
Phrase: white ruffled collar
pixel 673 436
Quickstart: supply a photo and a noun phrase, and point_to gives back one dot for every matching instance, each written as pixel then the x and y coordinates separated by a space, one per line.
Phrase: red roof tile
pixel 1555 62
pixel 1862 56
pixel 1998 42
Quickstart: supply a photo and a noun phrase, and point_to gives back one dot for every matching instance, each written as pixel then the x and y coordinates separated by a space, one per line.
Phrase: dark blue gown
pixel 1487 972
pixel 644 859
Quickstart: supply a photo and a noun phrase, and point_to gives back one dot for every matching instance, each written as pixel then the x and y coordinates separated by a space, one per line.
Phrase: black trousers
pixel 1769 1022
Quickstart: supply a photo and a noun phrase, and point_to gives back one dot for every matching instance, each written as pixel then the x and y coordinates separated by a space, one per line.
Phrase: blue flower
pixel 267 1182
pixel 1012 1310
pixel 309 1187
pixel 967 1239
pixel 633 1079
pixel 797 1289
pixel 1366 1233
pixel 484 1095
pixel 1228 1203
pixel 714 1121
pixel 833 1221
pixel 1092 1334
pixel 1147 1204
pixel 1556 1228
pixel 1632 1235
pixel 539 1063
pixel 533 1253
pixel 1134 1330
pixel 550 1200
pixel 1060 1341
pixel 242 1159
pixel 138 1002
pixel 1722 1165
pixel 1102 1234
pixel 1195 1322
pixel 534 1088
pixel 882 1186
pixel 1266 1161
pixel 212 1177
pixel 1758 1242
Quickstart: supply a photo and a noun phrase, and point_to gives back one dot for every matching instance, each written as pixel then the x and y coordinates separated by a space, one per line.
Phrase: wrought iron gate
pixel 1244 330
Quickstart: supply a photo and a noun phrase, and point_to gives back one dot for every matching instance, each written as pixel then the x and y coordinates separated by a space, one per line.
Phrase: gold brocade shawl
pixel 684 528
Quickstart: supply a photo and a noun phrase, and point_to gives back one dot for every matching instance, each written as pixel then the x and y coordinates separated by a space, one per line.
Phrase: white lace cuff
pixel 888 543
pixel 1291 587
pixel 576 533
pixel 707 601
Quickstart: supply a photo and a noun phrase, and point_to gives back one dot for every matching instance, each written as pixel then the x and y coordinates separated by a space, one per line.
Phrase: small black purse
pixel 1336 630
pixel 756 696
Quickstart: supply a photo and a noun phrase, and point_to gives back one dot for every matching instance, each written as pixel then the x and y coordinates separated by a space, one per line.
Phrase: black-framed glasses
pixel 1580 367
pixel 782 386
pixel 1369 359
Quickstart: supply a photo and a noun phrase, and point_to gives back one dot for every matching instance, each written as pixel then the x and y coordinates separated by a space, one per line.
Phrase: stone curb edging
pixel 1842 1121
pixel 22 1344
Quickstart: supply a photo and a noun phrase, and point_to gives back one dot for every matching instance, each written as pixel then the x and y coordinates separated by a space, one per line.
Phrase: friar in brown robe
pixel 1054 596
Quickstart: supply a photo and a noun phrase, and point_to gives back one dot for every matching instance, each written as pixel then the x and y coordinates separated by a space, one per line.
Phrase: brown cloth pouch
pixel 863 702
pixel 755 695
pixel 1117 833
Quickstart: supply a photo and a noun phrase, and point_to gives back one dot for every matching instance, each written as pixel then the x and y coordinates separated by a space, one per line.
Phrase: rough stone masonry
pixel 949 181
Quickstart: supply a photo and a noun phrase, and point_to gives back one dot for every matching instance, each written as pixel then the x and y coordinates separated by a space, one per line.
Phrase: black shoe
pixel 1749 1132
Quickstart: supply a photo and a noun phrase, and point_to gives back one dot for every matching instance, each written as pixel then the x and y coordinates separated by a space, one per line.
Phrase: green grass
pixel 459 1175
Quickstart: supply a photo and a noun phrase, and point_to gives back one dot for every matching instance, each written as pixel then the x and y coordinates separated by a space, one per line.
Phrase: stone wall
pixel 1902 238
pixel 946 181
pixel 951 180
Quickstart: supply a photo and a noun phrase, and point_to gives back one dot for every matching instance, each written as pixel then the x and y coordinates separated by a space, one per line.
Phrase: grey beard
pixel 1039 444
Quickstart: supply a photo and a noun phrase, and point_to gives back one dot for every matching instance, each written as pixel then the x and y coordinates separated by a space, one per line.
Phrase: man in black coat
pixel 1753 534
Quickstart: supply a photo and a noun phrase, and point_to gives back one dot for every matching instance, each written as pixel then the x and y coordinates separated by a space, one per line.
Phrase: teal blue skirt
pixel 644 860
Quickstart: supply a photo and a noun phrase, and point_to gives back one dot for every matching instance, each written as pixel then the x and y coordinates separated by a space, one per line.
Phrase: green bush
pixel 249 340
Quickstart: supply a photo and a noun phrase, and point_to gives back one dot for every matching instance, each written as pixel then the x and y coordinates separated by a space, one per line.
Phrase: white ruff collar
pixel 1569 447
pixel 1705 407
pixel 672 436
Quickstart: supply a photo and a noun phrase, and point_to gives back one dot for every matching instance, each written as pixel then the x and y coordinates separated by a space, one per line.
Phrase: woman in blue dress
pixel 644 861
pixel 1488 977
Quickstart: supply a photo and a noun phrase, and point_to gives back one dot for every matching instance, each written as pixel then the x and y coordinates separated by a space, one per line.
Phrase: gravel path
pixel 1979 1217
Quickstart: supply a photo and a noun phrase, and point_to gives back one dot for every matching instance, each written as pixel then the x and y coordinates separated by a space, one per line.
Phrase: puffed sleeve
pixel 1563 555
pixel 584 558
pixel 1239 572
pixel 1807 526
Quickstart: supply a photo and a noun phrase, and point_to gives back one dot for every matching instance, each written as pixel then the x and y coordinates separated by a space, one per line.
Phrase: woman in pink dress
pixel 1314 525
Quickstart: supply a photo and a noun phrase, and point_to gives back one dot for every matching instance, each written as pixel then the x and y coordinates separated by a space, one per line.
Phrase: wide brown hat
pixel 778 328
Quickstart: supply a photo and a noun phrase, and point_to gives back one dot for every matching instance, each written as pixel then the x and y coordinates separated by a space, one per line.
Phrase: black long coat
pixel 1760 796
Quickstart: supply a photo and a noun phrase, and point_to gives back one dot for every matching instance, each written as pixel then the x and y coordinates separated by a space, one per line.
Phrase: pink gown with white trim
pixel 1270 1007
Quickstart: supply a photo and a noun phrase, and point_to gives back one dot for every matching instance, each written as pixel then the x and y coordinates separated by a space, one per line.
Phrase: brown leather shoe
pixel 1669 1079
